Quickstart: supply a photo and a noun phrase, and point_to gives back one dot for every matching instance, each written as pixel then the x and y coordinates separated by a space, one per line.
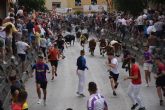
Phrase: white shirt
pixel 20 12
pixel 140 20
pixel 123 22
pixel 96 102
pixel 43 42
pixel 84 31
pixel 116 69
pixel 113 42
pixel 21 47
pixel 150 29
pixel 3 37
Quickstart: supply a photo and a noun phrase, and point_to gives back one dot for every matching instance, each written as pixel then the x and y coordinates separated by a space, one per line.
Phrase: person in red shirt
pixel 18 105
pixel 160 79
pixel 54 55
pixel 135 85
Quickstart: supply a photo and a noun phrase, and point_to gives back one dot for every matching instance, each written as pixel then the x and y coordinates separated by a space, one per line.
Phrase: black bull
pixel 69 39
pixel 92 45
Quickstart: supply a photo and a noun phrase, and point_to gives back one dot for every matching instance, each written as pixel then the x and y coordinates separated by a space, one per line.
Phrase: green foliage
pixel 78 12
pixel 38 5
pixel 133 7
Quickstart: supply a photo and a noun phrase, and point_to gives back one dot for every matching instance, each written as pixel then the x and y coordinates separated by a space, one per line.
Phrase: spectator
pixel 22 48
pixel 147 66
pixel 2 44
pixel 18 105
pixel 43 45
pixel 160 79
pixel 30 27
pixel 10 29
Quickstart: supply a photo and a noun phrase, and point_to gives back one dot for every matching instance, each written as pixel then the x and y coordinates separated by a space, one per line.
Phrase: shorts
pixel 160 82
pixel 54 63
pixel 43 84
pixel 147 66
pixel 113 75
pixel 22 57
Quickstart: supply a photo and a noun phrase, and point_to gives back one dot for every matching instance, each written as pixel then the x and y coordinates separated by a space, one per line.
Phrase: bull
pixel 69 39
pixel 92 46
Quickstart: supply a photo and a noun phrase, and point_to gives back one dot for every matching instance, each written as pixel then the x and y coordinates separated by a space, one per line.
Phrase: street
pixel 61 93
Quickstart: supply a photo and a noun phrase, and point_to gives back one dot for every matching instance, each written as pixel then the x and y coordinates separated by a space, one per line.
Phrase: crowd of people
pixel 47 34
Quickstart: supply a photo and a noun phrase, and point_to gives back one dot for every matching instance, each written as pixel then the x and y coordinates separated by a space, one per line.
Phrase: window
pixel 56 5
pixel 77 2
pixel 93 2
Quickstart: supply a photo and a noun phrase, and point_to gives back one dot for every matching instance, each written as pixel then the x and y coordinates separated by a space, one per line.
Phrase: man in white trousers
pixel 135 86
pixel 81 66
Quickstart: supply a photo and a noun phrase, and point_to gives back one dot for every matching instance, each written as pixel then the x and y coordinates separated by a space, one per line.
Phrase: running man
pixel 40 76
pixel 135 85
pixel 96 100
pixel 81 66
pixel 54 56
pixel 160 79
pixel 147 66
pixel 60 44
pixel 126 59
pixel 114 72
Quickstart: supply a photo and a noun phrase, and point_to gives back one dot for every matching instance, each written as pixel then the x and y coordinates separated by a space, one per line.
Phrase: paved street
pixel 62 91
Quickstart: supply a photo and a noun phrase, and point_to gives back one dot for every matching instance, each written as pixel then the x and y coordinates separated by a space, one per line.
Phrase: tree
pixel 133 7
pixel 38 5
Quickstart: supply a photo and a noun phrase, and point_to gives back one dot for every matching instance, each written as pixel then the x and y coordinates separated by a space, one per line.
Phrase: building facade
pixel 3 8
pixel 75 5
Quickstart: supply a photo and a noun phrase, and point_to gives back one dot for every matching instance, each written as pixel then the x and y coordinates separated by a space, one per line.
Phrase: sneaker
pixel 52 78
pixel 82 95
pixel 161 102
pixel 39 101
pixel 63 57
pixel 77 93
pixel 44 102
pixel 116 85
pixel 147 85
pixel 56 74
pixel 134 106
pixel 142 108
pixel 114 93
pixel 12 57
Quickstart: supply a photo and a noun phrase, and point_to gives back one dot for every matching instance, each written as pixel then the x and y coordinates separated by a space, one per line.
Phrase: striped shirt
pixel 97 102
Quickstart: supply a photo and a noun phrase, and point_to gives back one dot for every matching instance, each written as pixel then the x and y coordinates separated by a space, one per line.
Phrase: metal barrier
pixel 5 72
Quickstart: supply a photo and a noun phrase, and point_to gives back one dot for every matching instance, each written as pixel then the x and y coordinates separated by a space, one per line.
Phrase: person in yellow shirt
pixel 25 106
pixel 10 34
pixel 82 40
pixel 37 40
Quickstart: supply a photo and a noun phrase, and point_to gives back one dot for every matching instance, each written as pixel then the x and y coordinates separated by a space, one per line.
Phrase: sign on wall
pixel 95 8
